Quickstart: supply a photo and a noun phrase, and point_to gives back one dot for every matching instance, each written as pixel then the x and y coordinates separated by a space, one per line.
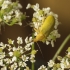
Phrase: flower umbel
pixel 10 13
pixel 14 57
pixel 44 23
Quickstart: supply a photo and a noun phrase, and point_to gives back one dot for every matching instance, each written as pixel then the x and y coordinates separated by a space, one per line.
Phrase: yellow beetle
pixel 45 28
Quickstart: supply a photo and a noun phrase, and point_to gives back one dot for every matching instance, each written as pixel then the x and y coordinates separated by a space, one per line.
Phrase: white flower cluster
pixel 15 58
pixel 10 13
pixel 38 18
pixel 28 45
pixel 63 64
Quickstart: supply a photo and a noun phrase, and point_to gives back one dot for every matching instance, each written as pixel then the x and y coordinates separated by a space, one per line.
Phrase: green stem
pixel 61 47
pixel 33 47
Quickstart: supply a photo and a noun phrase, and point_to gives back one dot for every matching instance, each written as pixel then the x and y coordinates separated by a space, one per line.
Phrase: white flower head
pixel 39 18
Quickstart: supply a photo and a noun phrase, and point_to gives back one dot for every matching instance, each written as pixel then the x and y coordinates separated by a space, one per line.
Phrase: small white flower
pixel 20 63
pixel 35 34
pixel 19 23
pixel 17 13
pixel 19 5
pixel 30 39
pixel 14 66
pixel 2 55
pixel 11 12
pixel 46 10
pixel 62 65
pixel 14 59
pixel 42 68
pixel 4 68
pixel 7 17
pixel 27 47
pixel 27 68
pixel 11 53
pixel 2 45
pixel 36 14
pixel 14 48
pixel 55 33
pixel 7 61
pixel 1 63
pixel 5 4
pixel 36 7
pixel 26 40
pixel 19 40
pixel 47 42
pixel 67 62
pixel 18 69
pixel 9 47
pixel 10 41
pixel 32 58
pixel 52 43
pixel 31 43
pixel 60 69
pixel 36 25
pixel 24 64
pixel 28 6
pixel 24 58
pixel 51 63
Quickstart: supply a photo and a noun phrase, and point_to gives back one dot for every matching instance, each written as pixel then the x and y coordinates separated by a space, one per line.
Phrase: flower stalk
pixel 61 47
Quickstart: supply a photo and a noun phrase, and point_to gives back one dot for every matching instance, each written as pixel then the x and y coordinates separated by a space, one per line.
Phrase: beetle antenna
pixel 40 49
